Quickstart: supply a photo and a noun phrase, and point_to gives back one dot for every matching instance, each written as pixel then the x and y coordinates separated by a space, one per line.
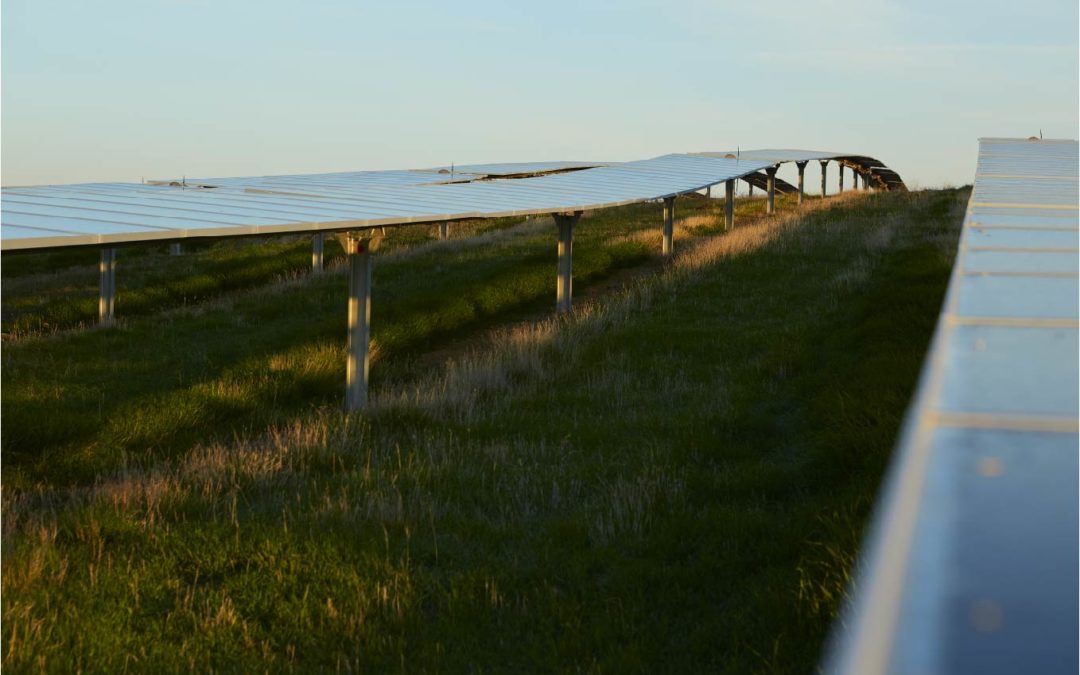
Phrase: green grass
pixel 77 403
pixel 672 479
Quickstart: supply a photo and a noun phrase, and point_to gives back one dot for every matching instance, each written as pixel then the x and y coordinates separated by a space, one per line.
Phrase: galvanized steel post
pixel 669 224
pixel 750 191
pixel 107 287
pixel 564 281
pixel 802 168
pixel 176 248
pixel 840 183
pixel 771 171
pixel 729 203
pixel 317 244
pixel 357 361
pixel 824 172
pixel 444 230
pixel 708 192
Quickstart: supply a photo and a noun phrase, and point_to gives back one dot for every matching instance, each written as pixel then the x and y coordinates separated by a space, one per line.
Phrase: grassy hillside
pixel 673 478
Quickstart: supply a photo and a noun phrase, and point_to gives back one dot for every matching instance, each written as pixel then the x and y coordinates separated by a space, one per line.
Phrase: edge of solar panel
pixel 971 561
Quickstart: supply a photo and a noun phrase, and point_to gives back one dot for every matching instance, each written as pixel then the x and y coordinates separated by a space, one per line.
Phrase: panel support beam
pixel 107 288
pixel 564 280
pixel 801 166
pixel 669 225
pixel 318 244
pixel 729 203
pixel 357 364
pixel 824 174
pixel 771 172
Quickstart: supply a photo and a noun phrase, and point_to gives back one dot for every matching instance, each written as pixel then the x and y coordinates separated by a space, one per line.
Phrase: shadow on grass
pixel 77 403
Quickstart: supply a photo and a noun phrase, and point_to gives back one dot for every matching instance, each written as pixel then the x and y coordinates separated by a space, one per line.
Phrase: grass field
pixel 674 478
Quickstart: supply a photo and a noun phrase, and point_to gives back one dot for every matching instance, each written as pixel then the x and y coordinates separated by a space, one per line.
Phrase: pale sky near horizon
pixel 126 89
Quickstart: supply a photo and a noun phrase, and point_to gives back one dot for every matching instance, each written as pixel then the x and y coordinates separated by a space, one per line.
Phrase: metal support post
pixel 771 171
pixel 107 287
pixel 564 280
pixel 801 166
pixel 729 204
pixel 176 248
pixel 444 231
pixel 357 361
pixel 750 191
pixel 669 223
pixel 318 242
pixel 708 192
pixel 840 183
pixel 824 173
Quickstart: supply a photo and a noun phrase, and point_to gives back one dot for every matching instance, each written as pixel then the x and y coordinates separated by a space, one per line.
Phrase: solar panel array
pixel 973 564
pixel 972 567
pixel 105 214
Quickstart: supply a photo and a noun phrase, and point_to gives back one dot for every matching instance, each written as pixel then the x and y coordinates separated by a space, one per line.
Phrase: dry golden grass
pixel 512 358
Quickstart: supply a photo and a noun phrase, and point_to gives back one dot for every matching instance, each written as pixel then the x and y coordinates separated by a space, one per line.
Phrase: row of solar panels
pixel 97 214
pixel 973 561
pixel 881 175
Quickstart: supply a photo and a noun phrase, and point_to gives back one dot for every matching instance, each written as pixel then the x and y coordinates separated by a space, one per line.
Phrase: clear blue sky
pixel 125 89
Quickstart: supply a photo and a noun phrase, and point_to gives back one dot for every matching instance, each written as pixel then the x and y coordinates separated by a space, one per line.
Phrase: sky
pixel 122 90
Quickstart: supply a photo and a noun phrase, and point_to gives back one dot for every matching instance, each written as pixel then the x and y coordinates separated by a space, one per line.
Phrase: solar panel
pixel 884 176
pixel 116 213
pixel 972 565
